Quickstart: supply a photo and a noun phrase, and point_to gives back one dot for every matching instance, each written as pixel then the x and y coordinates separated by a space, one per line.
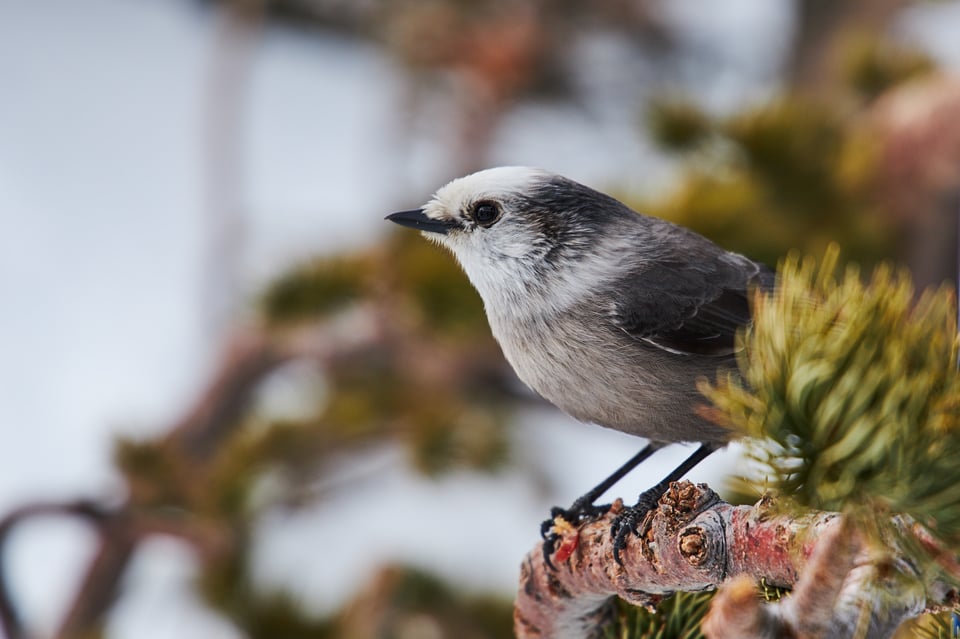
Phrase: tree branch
pixel 250 356
pixel 85 510
pixel 693 542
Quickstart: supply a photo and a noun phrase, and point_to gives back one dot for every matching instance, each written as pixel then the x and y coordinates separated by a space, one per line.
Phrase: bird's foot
pixel 560 532
pixel 629 518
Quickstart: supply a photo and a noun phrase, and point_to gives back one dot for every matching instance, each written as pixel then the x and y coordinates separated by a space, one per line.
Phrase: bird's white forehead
pixel 489 183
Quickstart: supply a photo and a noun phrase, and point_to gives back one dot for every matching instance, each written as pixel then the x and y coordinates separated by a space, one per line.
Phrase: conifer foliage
pixel 850 390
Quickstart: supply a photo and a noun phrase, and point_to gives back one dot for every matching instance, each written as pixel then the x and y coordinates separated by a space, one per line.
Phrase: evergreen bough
pixel 850 393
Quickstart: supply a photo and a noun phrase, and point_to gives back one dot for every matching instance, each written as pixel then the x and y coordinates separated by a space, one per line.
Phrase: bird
pixel 611 315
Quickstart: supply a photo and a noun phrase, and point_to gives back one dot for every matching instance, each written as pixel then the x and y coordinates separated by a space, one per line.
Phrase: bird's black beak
pixel 416 219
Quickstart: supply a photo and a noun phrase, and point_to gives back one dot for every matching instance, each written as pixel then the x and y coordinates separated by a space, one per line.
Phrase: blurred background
pixel 195 190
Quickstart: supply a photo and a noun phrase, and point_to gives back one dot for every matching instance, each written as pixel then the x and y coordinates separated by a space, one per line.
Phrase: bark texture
pixel 694 541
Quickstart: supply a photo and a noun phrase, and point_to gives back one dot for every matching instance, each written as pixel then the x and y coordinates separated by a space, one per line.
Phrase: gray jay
pixel 610 315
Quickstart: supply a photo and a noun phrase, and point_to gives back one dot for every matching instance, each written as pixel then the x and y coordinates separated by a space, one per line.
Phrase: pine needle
pixel 850 393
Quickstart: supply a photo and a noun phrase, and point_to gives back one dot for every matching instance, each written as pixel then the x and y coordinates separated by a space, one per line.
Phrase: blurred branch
pixel 85 510
pixel 101 583
pixel 479 59
pixel 362 323
pixel 821 27
pixel 223 123
pixel 250 356
pixel 694 542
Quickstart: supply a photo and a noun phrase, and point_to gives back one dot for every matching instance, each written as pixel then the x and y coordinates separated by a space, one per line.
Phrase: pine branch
pixel 250 356
pixel 842 583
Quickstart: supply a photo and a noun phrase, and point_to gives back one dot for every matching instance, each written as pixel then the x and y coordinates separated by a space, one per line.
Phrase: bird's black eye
pixel 485 213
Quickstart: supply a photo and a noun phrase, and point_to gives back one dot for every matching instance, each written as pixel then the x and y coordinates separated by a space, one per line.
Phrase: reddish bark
pixel 695 542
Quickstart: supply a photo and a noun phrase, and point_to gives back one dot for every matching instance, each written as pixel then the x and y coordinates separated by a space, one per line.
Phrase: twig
pixel 84 510
pixel 250 356
pixel 695 542
pixel 101 584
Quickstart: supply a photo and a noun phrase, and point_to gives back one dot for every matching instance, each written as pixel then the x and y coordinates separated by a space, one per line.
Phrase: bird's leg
pixel 583 507
pixel 626 522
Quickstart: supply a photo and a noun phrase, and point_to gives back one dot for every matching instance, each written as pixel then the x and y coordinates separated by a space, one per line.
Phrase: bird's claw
pixel 562 528
pixel 627 521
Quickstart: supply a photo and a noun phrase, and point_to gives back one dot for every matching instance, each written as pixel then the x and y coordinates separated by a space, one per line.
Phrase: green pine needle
pixel 678 125
pixel 314 289
pixel 677 617
pixel 939 626
pixel 851 392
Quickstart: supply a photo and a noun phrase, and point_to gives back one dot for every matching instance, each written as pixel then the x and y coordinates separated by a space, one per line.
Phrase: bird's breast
pixel 597 373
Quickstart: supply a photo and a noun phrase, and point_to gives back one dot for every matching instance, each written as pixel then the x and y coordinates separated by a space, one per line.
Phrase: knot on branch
pixel 693 542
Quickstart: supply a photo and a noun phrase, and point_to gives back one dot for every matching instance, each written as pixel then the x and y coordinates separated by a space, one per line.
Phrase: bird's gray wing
pixel 689 307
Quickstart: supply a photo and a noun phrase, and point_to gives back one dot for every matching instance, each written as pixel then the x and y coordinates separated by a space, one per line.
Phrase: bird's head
pixel 516 229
